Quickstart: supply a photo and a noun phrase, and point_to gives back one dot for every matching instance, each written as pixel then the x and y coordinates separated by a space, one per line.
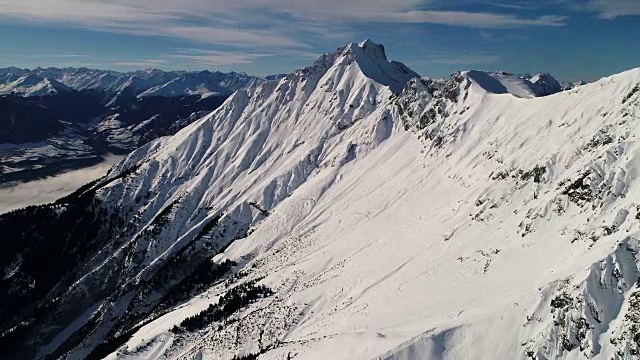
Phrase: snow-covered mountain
pixel 573 85
pixel 41 136
pixel 33 85
pixel 544 84
pixel 348 211
pixel 204 83
pixel 53 118
pixel 541 84
pixel 150 82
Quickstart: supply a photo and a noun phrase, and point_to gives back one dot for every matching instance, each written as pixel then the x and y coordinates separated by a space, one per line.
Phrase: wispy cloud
pixel 218 58
pixel 247 22
pixel 610 9
pixel 473 19
pixel 141 63
pixel 244 31
pixel 488 36
pixel 49 56
pixel 233 37
pixel 466 59
pixel 514 6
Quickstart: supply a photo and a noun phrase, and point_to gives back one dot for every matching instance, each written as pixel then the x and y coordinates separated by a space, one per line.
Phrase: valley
pixel 16 195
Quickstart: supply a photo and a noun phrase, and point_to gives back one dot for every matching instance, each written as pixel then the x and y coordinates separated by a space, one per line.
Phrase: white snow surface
pixel 381 244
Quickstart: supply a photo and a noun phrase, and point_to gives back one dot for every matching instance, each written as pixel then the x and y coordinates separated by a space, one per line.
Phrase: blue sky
pixel 572 39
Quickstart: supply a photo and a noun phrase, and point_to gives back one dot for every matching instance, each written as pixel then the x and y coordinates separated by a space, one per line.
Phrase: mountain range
pixel 149 82
pixel 349 210
pixel 54 119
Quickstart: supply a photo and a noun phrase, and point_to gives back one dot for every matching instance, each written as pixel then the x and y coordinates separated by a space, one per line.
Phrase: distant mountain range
pixel 150 82
pixel 52 119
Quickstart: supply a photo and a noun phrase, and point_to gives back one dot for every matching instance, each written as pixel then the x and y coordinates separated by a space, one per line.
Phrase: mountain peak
pixel 501 82
pixel 33 85
pixel 28 80
pixel 372 61
pixel 365 48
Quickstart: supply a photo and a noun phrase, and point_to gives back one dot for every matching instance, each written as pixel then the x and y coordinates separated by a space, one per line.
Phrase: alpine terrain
pixel 349 210
pixel 53 119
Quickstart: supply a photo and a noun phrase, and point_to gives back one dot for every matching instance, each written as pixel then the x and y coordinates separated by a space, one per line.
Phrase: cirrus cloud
pixel 247 23
pixel 610 9
pixel 466 59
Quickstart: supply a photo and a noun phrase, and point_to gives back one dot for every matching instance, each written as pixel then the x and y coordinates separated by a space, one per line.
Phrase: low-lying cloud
pixel 18 195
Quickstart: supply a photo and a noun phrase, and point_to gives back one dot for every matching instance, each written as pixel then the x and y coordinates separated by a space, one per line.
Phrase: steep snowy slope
pixel 513 236
pixel 266 141
pixel 348 219
pixel 492 254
